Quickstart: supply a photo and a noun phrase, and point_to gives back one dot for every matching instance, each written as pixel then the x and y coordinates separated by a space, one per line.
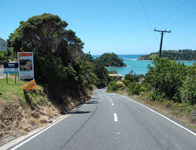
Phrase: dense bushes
pixel 188 89
pixel 129 84
pixel 116 85
pixel 166 77
pixel 3 55
pixel 172 80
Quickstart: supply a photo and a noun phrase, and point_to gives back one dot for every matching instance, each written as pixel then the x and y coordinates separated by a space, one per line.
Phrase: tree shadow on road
pixel 92 102
pixel 80 112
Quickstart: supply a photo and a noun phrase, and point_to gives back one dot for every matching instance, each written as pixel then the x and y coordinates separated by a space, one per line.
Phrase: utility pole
pixel 161 42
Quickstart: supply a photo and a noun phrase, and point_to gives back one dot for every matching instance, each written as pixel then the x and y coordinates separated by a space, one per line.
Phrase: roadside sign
pixel 29 86
pixel 10 68
pixel 26 65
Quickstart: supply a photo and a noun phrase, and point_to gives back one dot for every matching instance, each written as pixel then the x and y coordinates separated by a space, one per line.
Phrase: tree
pixel 111 60
pixel 59 61
pixel 113 72
pixel 60 64
pixel 101 73
pixel 89 57
pixel 187 90
pixel 166 77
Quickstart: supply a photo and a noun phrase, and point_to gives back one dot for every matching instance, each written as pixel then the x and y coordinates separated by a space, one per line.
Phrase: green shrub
pixel 154 95
pixel 116 86
pixel 135 88
pixel 188 92
pixel 166 77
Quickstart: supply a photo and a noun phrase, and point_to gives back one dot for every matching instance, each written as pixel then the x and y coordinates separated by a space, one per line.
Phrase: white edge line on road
pixel 36 134
pixel 115 117
pixel 83 105
pixel 15 147
pixel 164 117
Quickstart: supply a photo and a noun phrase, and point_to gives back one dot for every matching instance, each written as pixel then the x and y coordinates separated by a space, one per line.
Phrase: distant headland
pixel 111 60
pixel 185 54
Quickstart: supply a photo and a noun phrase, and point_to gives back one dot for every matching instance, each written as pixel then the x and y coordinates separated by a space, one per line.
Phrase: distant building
pixel 3 45
pixel 116 76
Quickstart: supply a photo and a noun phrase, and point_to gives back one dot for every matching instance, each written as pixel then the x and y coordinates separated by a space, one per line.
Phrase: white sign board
pixel 26 65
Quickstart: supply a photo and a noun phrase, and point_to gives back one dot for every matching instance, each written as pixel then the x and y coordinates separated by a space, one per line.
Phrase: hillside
pixel 185 54
pixel 66 74
pixel 111 60
pixel 21 113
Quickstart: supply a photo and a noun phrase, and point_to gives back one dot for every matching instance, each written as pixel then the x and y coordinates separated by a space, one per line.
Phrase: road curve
pixel 112 122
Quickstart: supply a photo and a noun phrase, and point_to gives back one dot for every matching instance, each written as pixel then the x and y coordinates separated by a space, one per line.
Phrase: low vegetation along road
pixel 110 121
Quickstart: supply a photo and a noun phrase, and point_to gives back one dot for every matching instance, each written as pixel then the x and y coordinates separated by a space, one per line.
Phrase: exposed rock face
pixel 18 118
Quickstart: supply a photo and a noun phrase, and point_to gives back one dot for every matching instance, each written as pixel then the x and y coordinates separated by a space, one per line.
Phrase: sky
pixel 119 26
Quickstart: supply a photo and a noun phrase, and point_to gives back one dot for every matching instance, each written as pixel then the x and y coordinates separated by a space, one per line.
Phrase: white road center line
pixel 115 117
pixel 112 104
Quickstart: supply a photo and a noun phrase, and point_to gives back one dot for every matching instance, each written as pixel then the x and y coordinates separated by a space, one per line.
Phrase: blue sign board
pixel 10 68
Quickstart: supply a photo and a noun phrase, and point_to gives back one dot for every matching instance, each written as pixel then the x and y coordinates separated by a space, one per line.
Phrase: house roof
pixel 115 75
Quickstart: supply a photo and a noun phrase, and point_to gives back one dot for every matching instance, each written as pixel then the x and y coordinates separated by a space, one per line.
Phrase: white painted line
pixel 84 105
pixel 112 104
pixel 115 117
pixel 164 117
pixel 17 146
pixel 110 100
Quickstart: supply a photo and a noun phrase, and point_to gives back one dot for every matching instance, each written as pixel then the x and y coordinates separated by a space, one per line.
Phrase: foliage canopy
pixel 60 63
pixel 111 60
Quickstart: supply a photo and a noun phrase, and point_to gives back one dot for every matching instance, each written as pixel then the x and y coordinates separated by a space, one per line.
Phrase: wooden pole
pixel 15 78
pixel 6 78
pixel 161 42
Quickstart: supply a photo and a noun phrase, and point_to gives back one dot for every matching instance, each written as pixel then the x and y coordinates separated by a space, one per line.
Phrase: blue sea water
pixel 138 66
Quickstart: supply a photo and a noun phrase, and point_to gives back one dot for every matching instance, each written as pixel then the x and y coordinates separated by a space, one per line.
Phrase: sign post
pixel 17 62
pixel 26 65
pixel 10 68
pixel 6 78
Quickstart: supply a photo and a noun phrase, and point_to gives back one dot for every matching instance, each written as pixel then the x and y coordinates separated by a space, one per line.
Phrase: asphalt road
pixel 112 122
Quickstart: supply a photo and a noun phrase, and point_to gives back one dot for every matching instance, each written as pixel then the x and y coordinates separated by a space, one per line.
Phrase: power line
pixel 172 12
pixel 184 20
pixel 148 19
pixel 146 14
pixel 149 46
pixel 171 26
pixel 147 37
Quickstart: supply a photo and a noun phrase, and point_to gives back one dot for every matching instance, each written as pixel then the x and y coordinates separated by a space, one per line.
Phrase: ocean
pixel 138 66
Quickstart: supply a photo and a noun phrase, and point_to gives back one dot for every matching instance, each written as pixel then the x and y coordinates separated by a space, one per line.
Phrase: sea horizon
pixel 137 66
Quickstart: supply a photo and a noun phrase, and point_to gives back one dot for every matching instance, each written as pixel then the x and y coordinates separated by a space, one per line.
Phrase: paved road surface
pixel 112 122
